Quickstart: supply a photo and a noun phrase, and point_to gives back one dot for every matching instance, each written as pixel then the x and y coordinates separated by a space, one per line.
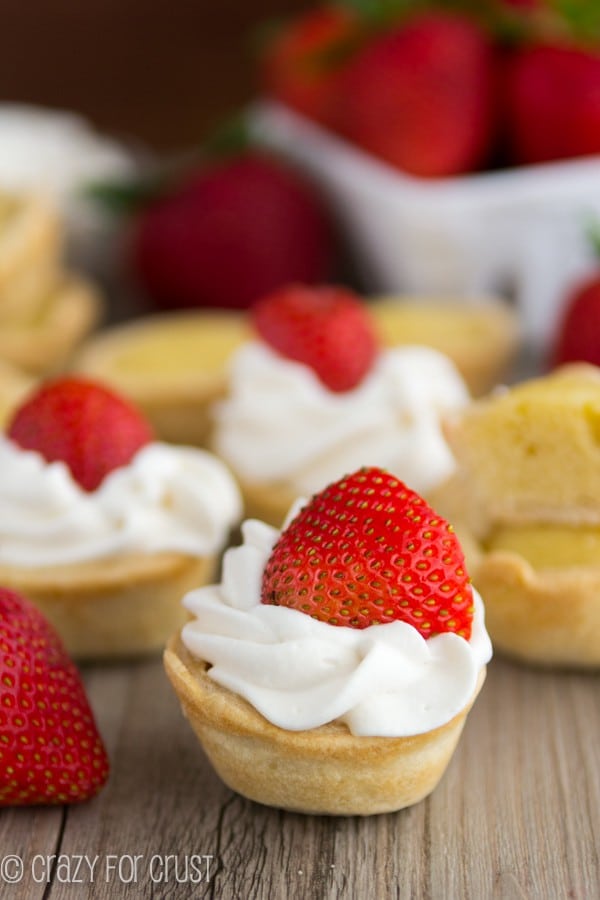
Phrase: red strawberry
pixel 578 338
pixel 367 550
pixel 326 328
pixel 230 233
pixel 553 103
pixel 50 749
pixel 82 423
pixel 420 96
pixel 301 65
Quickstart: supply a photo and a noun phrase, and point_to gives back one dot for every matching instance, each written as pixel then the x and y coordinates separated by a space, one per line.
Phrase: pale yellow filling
pixel 550 546
pixel 173 347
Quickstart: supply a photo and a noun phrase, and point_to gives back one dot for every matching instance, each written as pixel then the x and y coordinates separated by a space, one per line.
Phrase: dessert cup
pixel 481 340
pixel 173 366
pixel 43 342
pixel 527 495
pixel 325 770
pixel 285 434
pixel 113 608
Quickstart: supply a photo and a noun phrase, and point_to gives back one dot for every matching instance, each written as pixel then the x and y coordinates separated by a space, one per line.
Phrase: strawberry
pixel 83 424
pixel 420 96
pixel 326 328
pixel 367 550
pixel 302 63
pixel 552 103
pixel 50 749
pixel 578 338
pixel 231 232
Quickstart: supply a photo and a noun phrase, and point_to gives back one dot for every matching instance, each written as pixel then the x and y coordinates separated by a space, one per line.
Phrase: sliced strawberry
pixel 367 550
pixel 83 424
pixel 50 749
pixel 326 328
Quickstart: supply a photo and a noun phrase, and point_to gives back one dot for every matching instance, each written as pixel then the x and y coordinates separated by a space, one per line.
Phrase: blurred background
pixel 161 70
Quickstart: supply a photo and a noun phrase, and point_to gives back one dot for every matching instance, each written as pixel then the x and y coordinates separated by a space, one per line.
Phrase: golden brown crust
pixel 326 770
pixel 547 617
pixel 121 607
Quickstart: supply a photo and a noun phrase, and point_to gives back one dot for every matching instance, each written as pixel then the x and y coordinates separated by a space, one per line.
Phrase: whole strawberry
pixel 301 64
pixel 50 749
pixel 420 96
pixel 231 232
pixel 326 328
pixel 578 338
pixel 83 424
pixel 553 103
pixel 367 550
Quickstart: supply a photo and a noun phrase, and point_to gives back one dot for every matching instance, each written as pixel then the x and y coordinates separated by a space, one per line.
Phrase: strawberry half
pixel 367 550
pixel 326 328
pixel 84 425
pixel 50 749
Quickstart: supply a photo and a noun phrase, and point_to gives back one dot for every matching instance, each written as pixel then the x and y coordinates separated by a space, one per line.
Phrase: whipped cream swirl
pixel 281 424
pixel 299 673
pixel 167 499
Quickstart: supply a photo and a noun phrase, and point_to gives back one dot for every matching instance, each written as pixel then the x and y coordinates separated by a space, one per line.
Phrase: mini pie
pixel 173 366
pixel 528 491
pixel 481 340
pixel 102 526
pixel 332 668
pixel 44 341
pixel 326 770
pixel 115 608
pixel 316 393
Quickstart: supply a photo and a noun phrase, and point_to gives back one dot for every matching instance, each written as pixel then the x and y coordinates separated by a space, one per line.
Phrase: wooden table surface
pixel 517 814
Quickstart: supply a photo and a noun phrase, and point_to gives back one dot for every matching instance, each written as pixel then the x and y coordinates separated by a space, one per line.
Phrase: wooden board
pixel 516 816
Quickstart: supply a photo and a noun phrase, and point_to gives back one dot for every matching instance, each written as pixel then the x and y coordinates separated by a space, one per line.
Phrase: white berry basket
pixel 518 232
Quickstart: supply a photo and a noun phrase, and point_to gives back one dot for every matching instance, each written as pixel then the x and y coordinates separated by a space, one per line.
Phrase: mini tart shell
pixel 177 399
pixel 323 771
pixel 42 343
pixel 118 607
pixel 548 617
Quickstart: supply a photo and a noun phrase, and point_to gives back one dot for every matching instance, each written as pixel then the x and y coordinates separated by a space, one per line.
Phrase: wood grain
pixel 516 816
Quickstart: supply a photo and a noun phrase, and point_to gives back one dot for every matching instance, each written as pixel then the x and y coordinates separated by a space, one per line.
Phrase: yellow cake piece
pixel 532 453
pixel 528 491
pixel 481 339
pixel 173 366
